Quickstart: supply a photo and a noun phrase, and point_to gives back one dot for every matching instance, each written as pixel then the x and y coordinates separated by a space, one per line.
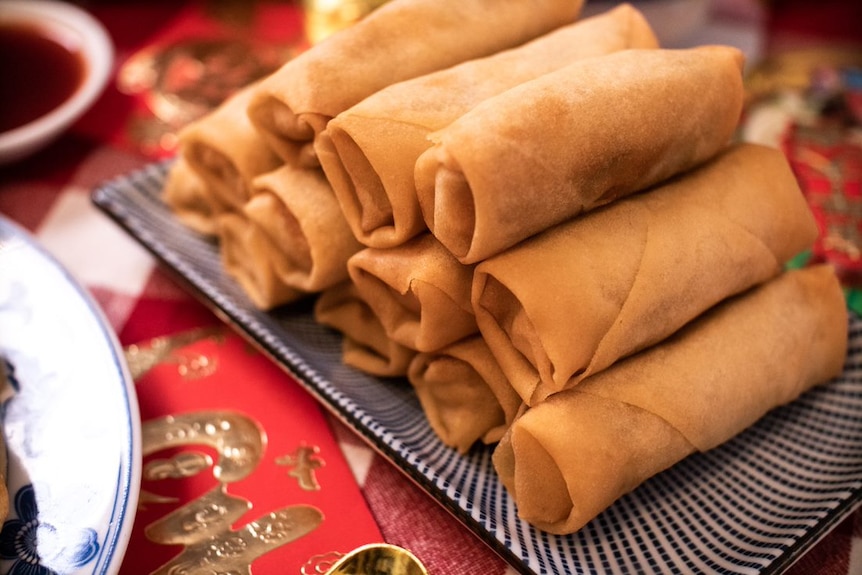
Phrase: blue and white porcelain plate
pixel 71 422
pixel 752 506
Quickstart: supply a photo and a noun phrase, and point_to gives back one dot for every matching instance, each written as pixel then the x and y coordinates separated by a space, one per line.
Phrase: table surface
pixel 49 194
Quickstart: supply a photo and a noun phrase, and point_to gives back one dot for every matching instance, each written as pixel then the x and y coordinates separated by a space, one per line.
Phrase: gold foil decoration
pixel 203 526
pixel 185 464
pixel 201 518
pixel 146 498
pixel 303 462
pixel 320 564
pixel 378 559
pixel 326 17
pixel 142 358
pixel 184 80
pixel 236 438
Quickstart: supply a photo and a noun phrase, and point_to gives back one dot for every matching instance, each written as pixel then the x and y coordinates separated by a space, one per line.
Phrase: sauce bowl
pixel 74 30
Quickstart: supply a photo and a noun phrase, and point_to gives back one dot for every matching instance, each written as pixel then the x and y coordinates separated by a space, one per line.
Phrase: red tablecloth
pixel 49 194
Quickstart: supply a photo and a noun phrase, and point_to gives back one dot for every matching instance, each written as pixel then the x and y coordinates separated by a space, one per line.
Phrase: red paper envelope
pixel 241 471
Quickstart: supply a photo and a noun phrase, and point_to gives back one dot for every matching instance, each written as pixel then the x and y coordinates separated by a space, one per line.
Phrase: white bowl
pixel 98 54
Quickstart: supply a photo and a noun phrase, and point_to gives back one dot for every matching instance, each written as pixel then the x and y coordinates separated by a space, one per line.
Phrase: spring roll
pixel 369 151
pixel 574 139
pixel 188 198
pixel 402 39
pixel 299 209
pixel 290 232
pixel 576 298
pixel 464 393
pixel 365 345
pixel 226 152
pixel 418 290
pixel 246 256
pixel 570 457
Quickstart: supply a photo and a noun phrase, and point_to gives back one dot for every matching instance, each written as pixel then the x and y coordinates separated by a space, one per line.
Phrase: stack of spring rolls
pixel 248 173
pixel 543 223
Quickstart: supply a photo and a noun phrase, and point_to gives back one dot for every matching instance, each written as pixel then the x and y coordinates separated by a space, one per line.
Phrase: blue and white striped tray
pixel 753 505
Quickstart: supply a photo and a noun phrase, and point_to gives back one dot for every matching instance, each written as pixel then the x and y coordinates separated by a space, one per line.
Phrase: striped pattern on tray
pixel 753 505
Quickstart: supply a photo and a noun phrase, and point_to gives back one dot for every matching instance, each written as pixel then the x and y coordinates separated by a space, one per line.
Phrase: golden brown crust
pixel 186 194
pixel 464 393
pixel 226 152
pixel 575 139
pixel 574 299
pixel 418 290
pixel 570 457
pixel 400 40
pixel 366 345
pixel 369 150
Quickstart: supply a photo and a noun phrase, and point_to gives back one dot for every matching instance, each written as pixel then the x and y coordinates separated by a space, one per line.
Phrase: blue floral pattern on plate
pixel 71 425
pixel 20 535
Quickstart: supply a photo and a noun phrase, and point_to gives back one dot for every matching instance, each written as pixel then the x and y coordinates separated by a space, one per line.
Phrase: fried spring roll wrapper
pixel 570 457
pixel 418 290
pixel 400 40
pixel 369 151
pixel 366 345
pixel 574 299
pixel 291 232
pixel 246 254
pixel 186 194
pixel 561 144
pixel 299 210
pixel 226 152
pixel 464 393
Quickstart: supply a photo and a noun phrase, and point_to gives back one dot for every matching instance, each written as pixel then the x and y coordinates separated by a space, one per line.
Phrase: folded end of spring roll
pixel 366 345
pixel 375 189
pixel 446 201
pixel 573 300
pixel 511 335
pixel 418 290
pixel 186 194
pixel 297 210
pixel 225 177
pixel 568 459
pixel 226 151
pixel 464 394
pixel 288 134
pixel 289 240
pixel 247 256
pixel 571 456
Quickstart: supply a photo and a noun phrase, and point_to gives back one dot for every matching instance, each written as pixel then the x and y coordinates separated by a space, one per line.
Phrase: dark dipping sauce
pixel 38 72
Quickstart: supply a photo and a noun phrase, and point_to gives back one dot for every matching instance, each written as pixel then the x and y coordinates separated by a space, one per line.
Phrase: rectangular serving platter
pixel 751 506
